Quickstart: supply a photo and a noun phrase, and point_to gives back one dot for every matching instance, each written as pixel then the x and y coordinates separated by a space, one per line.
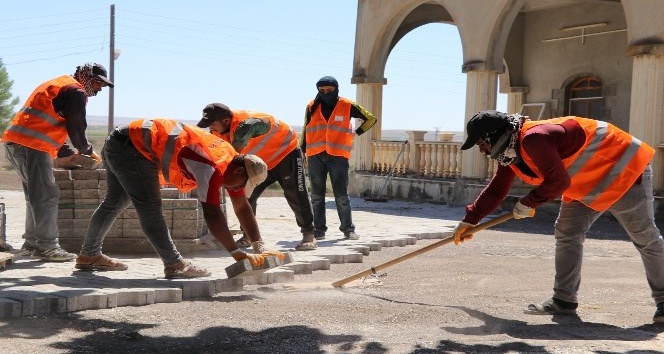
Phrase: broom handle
pixel 418 252
pixel 403 147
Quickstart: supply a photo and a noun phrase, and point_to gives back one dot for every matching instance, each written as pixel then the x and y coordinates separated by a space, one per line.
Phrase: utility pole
pixel 111 68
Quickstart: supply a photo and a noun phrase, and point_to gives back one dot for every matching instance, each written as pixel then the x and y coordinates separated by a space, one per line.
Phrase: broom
pixel 374 270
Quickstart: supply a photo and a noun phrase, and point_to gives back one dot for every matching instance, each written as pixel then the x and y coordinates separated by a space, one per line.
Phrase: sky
pixel 262 55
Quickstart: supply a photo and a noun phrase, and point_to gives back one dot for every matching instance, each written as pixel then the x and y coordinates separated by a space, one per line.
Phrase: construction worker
pixel 54 111
pixel 327 141
pixel 138 155
pixel 595 166
pixel 276 143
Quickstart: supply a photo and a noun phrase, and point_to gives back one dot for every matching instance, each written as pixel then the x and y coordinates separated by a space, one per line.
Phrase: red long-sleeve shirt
pixel 548 145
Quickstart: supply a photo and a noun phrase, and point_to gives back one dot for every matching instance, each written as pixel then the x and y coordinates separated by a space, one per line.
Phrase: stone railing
pixel 433 159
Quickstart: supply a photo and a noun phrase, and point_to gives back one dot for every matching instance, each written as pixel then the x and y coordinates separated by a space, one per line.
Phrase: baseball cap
pixel 99 72
pixel 257 171
pixel 485 123
pixel 212 112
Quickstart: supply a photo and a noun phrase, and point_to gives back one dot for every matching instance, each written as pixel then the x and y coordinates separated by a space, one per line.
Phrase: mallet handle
pixel 373 270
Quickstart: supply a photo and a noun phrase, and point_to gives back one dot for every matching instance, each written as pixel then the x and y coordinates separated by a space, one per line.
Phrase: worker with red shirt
pixel 275 142
pixel 54 112
pixel 594 166
pixel 138 156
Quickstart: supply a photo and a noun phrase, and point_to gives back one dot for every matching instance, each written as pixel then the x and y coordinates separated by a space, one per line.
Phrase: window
pixel 585 98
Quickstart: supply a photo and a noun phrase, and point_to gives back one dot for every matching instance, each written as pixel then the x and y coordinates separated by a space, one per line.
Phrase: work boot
pixel 659 314
pixel 28 249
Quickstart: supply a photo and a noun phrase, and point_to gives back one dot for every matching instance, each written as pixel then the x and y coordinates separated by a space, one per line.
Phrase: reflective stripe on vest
pixel 160 140
pixel 36 125
pixel 603 169
pixel 272 146
pixel 333 136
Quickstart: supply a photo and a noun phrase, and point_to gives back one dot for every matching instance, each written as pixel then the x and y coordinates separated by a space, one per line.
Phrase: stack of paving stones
pixel 81 192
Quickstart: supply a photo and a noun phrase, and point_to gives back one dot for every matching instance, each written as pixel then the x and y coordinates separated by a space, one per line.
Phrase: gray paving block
pixel 37 303
pixel 228 285
pixel 84 299
pixel 300 267
pixel 167 295
pixel 353 258
pixel 135 297
pixel 280 275
pixel 10 308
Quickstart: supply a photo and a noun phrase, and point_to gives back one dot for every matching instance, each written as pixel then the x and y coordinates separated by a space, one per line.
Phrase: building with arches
pixel 602 59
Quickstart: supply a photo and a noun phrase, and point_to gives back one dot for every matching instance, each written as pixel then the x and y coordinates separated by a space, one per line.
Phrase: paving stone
pixel 167 295
pixel 10 308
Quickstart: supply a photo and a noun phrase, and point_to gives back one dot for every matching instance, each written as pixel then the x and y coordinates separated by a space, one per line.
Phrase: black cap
pixel 99 72
pixel 485 123
pixel 327 81
pixel 212 112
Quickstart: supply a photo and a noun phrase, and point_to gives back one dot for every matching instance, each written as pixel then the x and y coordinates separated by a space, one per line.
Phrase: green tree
pixel 6 102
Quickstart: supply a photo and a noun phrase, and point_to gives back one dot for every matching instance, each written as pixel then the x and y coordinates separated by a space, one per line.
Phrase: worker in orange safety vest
pixel 594 166
pixel 54 111
pixel 276 143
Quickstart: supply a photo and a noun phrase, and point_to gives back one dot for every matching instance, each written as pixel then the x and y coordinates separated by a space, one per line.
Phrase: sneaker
pixel 659 314
pixel 319 235
pixel 56 254
pixel 552 307
pixel 98 262
pixel 185 270
pixel 351 235
pixel 28 249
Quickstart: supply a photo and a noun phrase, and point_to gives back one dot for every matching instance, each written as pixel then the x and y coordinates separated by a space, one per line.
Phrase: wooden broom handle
pixel 373 270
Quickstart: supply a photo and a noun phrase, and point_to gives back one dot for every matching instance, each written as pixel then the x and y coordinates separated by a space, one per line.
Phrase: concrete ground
pixel 466 299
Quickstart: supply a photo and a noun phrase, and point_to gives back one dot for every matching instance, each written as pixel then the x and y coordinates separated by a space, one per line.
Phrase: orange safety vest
pixel 161 140
pixel 334 135
pixel 37 125
pixel 272 146
pixel 605 167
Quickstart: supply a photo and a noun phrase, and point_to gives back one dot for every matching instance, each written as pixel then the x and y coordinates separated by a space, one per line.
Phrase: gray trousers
pixel 635 212
pixel 130 178
pixel 41 194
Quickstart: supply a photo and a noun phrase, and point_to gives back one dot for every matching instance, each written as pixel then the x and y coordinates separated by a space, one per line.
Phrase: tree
pixel 6 102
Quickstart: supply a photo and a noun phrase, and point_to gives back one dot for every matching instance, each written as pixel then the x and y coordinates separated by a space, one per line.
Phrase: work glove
pixel 256 260
pixel 260 248
pixel 459 230
pixel 521 211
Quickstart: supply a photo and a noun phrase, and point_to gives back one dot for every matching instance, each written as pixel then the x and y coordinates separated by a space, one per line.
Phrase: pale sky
pixel 263 55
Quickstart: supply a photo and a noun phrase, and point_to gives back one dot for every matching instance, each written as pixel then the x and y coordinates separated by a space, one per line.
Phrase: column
pixel 481 91
pixel 369 96
pixel 516 97
pixel 647 106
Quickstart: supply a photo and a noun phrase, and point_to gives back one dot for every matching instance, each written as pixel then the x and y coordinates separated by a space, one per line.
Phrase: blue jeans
pixel 130 178
pixel 635 212
pixel 41 194
pixel 319 166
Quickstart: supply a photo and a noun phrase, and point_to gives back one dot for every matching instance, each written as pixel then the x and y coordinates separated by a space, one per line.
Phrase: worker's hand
pixel 88 162
pixel 256 260
pixel 95 156
pixel 521 211
pixel 459 230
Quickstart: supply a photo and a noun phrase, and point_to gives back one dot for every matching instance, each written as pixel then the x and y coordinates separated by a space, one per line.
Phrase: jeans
pixel 130 178
pixel 635 212
pixel 319 166
pixel 41 194
pixel 289 173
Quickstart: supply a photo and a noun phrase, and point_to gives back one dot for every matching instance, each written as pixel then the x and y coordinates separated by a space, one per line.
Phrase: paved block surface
pixel 30 287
